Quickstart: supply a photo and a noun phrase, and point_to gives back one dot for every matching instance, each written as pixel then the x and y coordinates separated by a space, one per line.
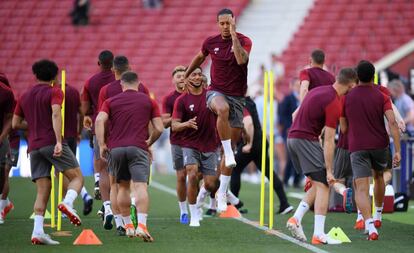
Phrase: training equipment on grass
pixel 231 212
pixel 87 237
pixel 46 216
pixel 338 234
pixel 52 172
pixel 268 101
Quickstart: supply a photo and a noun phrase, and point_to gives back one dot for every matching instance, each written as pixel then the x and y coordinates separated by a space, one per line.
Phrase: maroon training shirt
pixel 168 107
pixel 316 77
pixel 364 109
pixel 6 102
pixel 129 115
pixel 93 85
pixel 321 107
pixel 35 106
pixel 227 76
pixel 115 88
pixel 72 104
pixel 188 106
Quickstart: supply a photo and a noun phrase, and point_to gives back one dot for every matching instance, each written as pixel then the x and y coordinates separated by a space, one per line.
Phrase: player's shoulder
pixel 212 38
pixel 241 36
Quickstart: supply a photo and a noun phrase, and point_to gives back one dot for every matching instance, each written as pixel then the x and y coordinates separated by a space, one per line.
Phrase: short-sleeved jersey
pixel 205 138
pixel 316 77
pixel 365 106
pixel 93 85
pixel 227 76
pixel 129 112
pixel 321 107
pixel 6 102
pixel 35 106
pixel 168 107
pixel 72 104
pixel 114 88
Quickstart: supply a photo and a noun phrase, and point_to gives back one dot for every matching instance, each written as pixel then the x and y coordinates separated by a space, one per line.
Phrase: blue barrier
pixel 406 169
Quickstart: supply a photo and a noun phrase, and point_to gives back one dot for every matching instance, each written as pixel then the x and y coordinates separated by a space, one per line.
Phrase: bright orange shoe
pixel 129 230
pixel 308 184
pixel 324 239
pixel 359 225
pixel 7 209
pixel 143 233
pixel 296 229
pixel 377 223
pixel 373 237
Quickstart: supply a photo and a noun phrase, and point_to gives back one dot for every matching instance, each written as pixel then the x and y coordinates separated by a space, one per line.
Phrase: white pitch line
pixel 296 195
pixel 279 234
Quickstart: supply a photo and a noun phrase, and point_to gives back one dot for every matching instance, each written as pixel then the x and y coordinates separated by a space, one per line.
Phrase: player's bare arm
pixel 304 88
pixel 19 123
pixel 343 123
pixel 57 128
pixel 100 124
pixel 178 126
pixel 166 120
pixel 157 128
pixel 195 63
pixel 389 114
pixel 242 56
pixel 328 153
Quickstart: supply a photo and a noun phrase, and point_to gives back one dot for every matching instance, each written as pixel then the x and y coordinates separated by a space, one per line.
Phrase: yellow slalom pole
pixel 60 191
pixel 373 182
pixel 264 133
pixel 271 148
pixel 52 198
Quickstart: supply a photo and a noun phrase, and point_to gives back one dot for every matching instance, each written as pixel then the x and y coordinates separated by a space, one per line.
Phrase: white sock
pixel 232 198
pixel 378 213
pixel 70 197
pixel 193 211
pixel 183 207
pixel 107 206
pixel 359 217
pixel 84 194
pixel 126 220
pixel 142 218
pixel 38 224
pixel 213 203
pixel 202 194
pixel 133 201
pixel 369 225
pixel 118 220
pixel 96 176
pixel 3 204
pixel 319 226
pixel 303 207
pixel 224 183
pixel 339 188
pixel 228 151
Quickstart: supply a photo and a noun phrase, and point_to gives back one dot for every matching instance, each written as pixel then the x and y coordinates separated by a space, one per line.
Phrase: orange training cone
pixel 231 212
pixel 87 237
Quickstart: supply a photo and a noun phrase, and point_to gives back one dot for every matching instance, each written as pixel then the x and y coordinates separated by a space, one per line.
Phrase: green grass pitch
pixel 214 235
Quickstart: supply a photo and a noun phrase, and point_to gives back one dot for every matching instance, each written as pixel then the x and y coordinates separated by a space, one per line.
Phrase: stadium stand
pixel 350 30
pixel 154 40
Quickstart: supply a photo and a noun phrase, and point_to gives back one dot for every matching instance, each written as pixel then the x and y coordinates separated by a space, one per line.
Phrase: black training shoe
pixel 285 209
pixel 87 206
pixel 97 192
pixel 120 231
pixel 211 212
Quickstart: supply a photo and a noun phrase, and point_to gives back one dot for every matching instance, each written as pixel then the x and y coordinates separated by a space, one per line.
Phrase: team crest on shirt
pixel 216 50
pixel 191 107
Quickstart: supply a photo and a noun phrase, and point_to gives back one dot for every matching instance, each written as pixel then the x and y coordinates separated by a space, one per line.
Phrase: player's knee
pixel 222 109
pixel 378 175
pixel 210 186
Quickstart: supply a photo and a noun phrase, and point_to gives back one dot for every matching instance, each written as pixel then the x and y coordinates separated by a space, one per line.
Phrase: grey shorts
pixel 96 151
pixel 42 159
pixel 207 162
pixel 236 105
pixel 307 158
pixel 13 157
pixel 363 161
pixel 177 156
pixel 4 151
pixel 342 164
pixel 130 163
